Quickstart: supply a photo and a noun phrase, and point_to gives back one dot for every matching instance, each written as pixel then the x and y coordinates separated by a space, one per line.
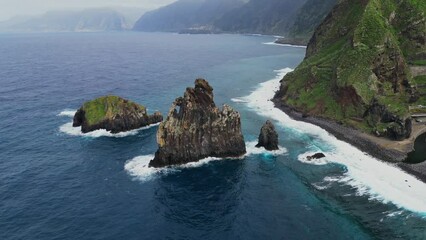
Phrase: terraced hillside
pixel 357 67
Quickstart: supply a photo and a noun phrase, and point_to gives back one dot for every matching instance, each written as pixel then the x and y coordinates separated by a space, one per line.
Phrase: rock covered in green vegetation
pixel 113 114
pixel 356 70
pixel 195 129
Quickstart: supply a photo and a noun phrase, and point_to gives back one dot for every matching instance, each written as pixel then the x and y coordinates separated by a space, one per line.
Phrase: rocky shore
pixel 292 41
pixel 363 141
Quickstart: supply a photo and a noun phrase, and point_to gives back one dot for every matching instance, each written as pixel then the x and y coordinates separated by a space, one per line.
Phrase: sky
pixel 11 8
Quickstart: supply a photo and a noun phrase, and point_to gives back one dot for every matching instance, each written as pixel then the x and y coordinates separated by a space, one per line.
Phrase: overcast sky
pixel 11 8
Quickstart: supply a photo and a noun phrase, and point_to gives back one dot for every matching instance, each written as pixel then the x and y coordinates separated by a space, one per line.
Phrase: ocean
pixel 57 183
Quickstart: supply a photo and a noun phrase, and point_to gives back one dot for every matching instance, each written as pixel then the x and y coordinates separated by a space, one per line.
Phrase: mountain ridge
pixel 87 20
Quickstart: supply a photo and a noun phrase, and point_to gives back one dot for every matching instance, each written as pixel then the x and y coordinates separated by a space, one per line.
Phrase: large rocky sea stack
pixel 268 137
pixel 195 129
pixel 113 114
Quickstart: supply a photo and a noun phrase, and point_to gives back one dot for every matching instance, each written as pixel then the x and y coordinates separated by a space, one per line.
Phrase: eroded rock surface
pixel 195 129
pixel 316 156
pixel 268 137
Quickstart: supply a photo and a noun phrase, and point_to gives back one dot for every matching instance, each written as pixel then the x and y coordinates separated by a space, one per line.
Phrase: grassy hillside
pixel 108 107
pixel 356 67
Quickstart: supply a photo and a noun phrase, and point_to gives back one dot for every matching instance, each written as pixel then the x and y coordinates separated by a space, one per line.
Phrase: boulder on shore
pixel 195 129
pixel 268 137
pixel 316 156
pixel 113 114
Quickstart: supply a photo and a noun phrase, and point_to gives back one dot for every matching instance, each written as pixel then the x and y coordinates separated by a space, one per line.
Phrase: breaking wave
pixel 138 167
pixel 380 180
pixel 68 129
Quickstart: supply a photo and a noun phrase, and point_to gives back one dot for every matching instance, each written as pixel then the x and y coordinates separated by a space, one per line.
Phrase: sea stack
pixel 113 114
pixel 268 137
pixel 195 129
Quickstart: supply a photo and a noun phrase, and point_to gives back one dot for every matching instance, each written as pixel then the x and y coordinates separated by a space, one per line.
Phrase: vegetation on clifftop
pixel 107 107
pixel 356 67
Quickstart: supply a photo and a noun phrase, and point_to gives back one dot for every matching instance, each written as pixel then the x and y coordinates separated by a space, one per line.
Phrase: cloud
pixel 11 8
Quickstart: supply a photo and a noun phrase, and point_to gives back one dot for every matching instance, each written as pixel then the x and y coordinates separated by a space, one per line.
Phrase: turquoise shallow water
pixel 55 184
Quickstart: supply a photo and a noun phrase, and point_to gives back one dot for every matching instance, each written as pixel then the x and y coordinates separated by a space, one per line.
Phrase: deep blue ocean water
pixel 55 185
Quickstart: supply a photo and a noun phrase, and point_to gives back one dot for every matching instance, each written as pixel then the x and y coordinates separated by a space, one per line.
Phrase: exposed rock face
pixel 268 137
pixel 395 128
pixel 316 156
pixel 113 114
pixel 195 129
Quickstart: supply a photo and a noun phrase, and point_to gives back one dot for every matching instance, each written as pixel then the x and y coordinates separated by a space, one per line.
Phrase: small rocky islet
pixel 268 137
pixel 114 114
pixel 195 129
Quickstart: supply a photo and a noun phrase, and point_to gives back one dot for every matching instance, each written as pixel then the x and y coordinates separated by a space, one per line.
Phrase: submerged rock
pixel 316 156
pixel 113 114
pixel 268 137
pixel 195 129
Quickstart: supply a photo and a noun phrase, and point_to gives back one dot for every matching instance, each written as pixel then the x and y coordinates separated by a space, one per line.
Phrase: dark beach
pixel 379 148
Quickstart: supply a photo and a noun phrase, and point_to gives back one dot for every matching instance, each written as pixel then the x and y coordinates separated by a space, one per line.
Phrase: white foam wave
pixel 237 100
pixel 380 180
pixel 138 167
pixel 320 186
pixel 395 213
pixel 76 131
pixel 284 45
pixel 67 113
pixel 253 150
pixel 67 128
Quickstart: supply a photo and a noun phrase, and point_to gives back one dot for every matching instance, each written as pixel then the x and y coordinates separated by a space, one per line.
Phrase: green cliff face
pixel 356 69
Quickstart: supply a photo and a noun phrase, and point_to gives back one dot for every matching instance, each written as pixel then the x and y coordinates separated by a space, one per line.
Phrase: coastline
pixel 361 141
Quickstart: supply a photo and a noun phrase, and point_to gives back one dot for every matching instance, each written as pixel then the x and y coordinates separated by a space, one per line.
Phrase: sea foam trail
pixel 138 167
pixel 67 113
pixel 284 45
pixel 67 128
pixel 382 181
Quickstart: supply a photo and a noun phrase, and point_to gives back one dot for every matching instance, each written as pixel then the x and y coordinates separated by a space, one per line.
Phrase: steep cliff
pixel 356 67
pixel 185 14
pixel 261 16
pixel 195 129
pixel 268 137
pixel 113 114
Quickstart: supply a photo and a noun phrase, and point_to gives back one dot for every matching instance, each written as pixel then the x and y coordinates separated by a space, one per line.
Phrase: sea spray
pixel 284 45
pixel 68 129
pixel 138 167
pixel 380 180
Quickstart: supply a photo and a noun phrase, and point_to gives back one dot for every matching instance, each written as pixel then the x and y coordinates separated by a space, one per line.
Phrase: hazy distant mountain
pixel 309 16
pixel 295 19
pixel 185 14
pixel 71 21
pixel 261 16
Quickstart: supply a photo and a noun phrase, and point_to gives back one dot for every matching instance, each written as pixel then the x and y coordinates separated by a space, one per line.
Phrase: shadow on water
pixel 419 153
pixel 202 197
